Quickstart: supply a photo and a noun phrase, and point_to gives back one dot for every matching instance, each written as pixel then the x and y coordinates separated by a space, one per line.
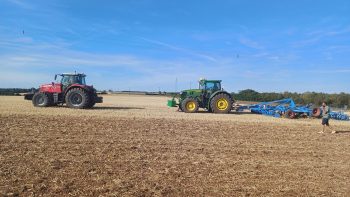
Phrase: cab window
pixel 212 86
pixel 69 79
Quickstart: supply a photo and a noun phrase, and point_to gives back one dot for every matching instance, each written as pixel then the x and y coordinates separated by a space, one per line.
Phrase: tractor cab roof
pixel 72 74
pixel 202 81
pixel 212 80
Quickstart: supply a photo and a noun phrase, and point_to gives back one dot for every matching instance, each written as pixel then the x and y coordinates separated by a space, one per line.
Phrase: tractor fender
pixel 87 88
pixel 219 92
pixel 193 97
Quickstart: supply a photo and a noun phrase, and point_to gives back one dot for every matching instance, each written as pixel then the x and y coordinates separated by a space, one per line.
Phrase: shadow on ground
pixel 114 108
pixel 232 112
pixel 104 107
pixel 343 132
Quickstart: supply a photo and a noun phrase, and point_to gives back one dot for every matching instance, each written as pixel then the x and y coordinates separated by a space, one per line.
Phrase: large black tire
pixel 41 99
pixel 189 105
pixel 78 98
pixel 221 103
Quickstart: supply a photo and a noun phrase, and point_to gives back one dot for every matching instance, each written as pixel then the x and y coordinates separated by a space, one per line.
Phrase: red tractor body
pixel 51 88
pixel 71 90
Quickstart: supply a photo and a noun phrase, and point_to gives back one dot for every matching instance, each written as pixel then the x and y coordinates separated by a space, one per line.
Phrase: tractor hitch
pixel 98 99
pixel 28 96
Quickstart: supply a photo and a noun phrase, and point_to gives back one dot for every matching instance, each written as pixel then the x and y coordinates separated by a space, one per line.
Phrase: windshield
pixel 73 79
pixel 209 85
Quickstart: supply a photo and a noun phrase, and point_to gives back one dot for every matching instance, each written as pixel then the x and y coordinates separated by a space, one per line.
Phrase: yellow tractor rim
pixel 222 104
pixel 190 106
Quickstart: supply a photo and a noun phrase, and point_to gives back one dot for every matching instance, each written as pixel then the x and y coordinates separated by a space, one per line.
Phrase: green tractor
pixel 209 96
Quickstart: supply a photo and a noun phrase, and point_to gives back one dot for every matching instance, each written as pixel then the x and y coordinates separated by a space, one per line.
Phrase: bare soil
pixel 136 146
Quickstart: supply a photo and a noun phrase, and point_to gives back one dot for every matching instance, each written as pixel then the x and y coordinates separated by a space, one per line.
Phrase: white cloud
pixel 176 48
pixel 44 59
pixel 21 4
pixel 329 71
pixel 250 43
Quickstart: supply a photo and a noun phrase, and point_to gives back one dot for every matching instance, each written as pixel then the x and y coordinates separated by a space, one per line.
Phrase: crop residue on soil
pixel 125 147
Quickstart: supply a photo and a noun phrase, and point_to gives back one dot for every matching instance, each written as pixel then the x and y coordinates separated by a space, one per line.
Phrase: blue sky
pixel 269 45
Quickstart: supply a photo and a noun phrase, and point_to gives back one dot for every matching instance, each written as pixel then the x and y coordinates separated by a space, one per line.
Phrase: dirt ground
pixel 137 146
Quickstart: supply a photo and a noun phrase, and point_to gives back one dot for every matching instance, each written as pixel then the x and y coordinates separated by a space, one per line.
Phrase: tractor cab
pixel 209 85
pixel 67 79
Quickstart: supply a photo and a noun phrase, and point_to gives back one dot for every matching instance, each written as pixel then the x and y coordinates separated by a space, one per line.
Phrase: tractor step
pixel 98 99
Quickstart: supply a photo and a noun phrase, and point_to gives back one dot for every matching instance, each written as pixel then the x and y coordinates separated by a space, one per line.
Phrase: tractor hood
pixel 46 85
pixel 51 87
pixel 190 92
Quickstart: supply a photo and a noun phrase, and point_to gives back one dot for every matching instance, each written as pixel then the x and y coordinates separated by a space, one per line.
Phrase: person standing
pixel 325 118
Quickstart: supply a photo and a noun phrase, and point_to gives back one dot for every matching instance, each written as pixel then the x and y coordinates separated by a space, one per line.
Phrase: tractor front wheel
pixel 189 105
pixel 41 99
pixel 221 103
pixel 78 98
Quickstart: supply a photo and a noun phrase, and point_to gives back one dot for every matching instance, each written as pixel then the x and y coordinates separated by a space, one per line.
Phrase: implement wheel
pixel 290 114
pixel 189 105
pixel 316 112
pixel 221 103
pixel 41 99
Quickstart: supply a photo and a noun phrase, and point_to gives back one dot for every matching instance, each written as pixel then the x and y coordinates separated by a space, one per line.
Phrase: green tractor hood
pixel 182 95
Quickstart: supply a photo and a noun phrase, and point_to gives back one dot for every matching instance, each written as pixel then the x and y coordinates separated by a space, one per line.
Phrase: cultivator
pixel 279 108
pixel 288 109
pixel 317 112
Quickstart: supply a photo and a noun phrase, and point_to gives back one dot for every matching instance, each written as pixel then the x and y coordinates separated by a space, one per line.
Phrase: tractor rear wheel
pixel 41 99
pixel 189 105
pixel 78 98
pixel 221 103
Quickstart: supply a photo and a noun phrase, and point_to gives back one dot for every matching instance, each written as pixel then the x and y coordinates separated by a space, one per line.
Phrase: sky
pixel 270 45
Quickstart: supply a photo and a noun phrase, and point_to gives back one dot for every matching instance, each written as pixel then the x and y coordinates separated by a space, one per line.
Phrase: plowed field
pixel 137 146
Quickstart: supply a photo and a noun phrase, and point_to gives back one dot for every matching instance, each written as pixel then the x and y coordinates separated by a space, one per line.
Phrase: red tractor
pixel 71 90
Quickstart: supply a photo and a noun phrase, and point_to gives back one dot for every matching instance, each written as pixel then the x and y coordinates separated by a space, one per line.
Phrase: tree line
pixel 13 91
pixel 336 100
